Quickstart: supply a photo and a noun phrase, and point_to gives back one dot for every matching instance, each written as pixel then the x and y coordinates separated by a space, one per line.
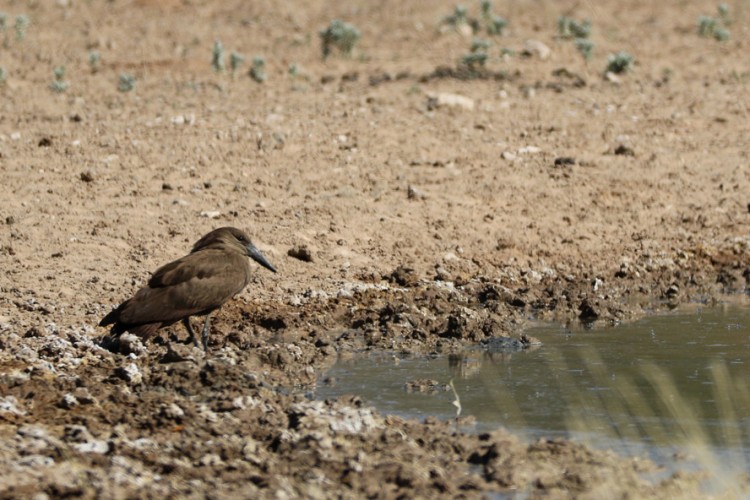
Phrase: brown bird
pixel 214 271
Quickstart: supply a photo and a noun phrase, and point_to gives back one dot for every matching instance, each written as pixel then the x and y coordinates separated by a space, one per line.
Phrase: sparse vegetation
pixel 474 60
pixel 94 60
pixel 585 47
pixel 579 31
pixel 494 24
pixel 258 69
pixel 570 28
pixel 59 84
pixel 460 20
pixel 341 35
pixel 3 76
pixel 619 63
pixel 716 27
pixel 217 57
pixel 22 24
pixel 126 83
pixel 235 61
pixel 478 55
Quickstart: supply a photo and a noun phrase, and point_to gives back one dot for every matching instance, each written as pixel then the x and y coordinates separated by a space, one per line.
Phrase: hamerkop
pixel 214 271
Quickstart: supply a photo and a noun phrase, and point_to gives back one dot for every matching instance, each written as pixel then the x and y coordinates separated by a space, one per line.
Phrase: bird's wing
pixel 199 265
pixel 191 285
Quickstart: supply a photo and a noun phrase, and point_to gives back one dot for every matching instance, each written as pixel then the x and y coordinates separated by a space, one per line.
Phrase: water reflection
pixel 663 381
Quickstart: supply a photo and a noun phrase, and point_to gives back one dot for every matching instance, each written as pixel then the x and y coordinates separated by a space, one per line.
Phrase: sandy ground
pixel 423 227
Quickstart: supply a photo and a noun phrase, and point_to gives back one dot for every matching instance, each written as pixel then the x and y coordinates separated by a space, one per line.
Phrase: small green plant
pixel 585 47
pixel 341 35
pixel 474 60
pixel 94 60
pixel 494 24
pixel 479 45
pixel 706 25
pixel 22 24
pixel 3 21
pixel 217 57
pixel 716 27
pixel 478 55
pixel 126 83
pixel 570 28
pixel 723 10
pixel 3 76
pixel 59 84
pixel 721 34
pixel 458 18
pixel 293 70
pixel 235 61
pixel 619 63
pixel 258 69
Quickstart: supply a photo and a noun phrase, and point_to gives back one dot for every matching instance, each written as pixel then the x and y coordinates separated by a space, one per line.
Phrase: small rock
pixel 68 401
pixel 301 252
pixel 536 48
pixel 612 78
pixel 177 353
pixel 87 176
pixel 508 155
pixel 172 412
pixel 9 404
pixel 131 344
pixel 403 276
pixel 45 142
pixel 184 119
pixel 211 214
pixel 250 448
pixel 130 373
pixel 83 396
pixel 444 99
pixel 76 434
pixel 166 186
pixel 210 460
pixel 587 311
pixel 97 446
pixel 529 150
pixel 623 150
pixel 564 161
pixel 415 194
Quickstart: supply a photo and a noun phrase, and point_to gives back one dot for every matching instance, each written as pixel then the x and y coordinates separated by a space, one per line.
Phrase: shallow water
pixel 653 387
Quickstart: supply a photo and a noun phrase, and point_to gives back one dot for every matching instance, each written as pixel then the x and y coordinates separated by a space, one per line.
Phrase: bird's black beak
pixel 258 257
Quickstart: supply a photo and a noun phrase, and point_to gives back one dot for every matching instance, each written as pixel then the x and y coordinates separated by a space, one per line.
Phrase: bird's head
pixel 232 238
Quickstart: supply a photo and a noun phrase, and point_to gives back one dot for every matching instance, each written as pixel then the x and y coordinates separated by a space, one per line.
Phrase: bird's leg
pixel 204 335
pixel 186 322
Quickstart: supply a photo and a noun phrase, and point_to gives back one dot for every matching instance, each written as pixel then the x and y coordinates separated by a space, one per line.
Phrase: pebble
pixel 537 48
pixel 131 344
pixel 130 373
pixel 68 401
pixel 211 214
pixel 9 404
pixel 444 99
